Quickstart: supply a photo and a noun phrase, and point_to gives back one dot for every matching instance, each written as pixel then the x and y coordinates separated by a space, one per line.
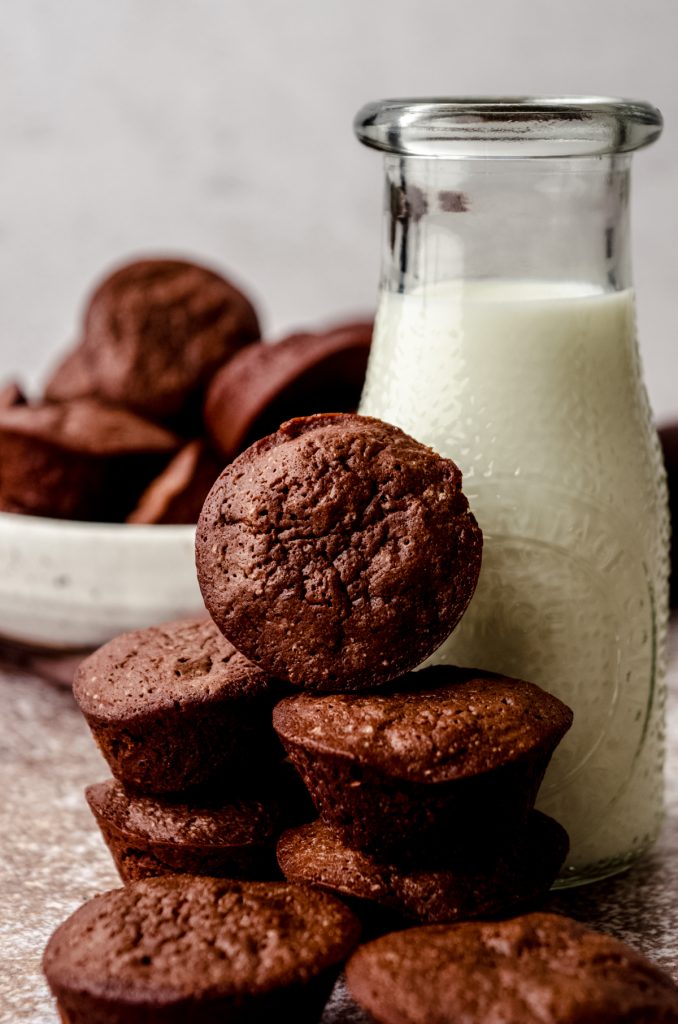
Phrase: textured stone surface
pixel 53 858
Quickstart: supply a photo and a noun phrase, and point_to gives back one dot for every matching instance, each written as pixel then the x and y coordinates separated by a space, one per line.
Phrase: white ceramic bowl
pixel 66 585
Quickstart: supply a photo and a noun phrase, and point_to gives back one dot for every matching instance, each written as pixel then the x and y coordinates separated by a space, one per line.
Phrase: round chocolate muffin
pixel 452 755
pixel 338 552
pixel 264 384
pixel 232 837
pixel 176 706
pixel 154 333
pixel 78 460
pixel 199 950
pixel 483 881
pixel 178 494
pixel 536 969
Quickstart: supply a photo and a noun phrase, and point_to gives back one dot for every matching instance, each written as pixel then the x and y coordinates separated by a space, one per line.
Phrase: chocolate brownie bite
pixel 227 837
pixel 535 969
pixel 483 881
pixel 77 460
pixel 199 950
pixel 157 329
pixel 178 494
pixel 338 552
pixel 11 395
pixel 265 384
pixel 452 755
pixel 71 378
pixel 176 706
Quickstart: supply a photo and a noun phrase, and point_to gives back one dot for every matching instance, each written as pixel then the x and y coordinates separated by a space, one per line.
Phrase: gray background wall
pixel 224 130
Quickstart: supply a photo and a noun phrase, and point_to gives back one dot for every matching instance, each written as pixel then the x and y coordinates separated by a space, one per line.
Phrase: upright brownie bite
pixel 210 834
pixel 71 378
pixel 176 706
pixel 338 552
pixel 304 373
pixel 536 969
pixel 78 460
pixel 178 494
pixel 450 755
pixel 156 330
pixel 486 880
pixel 199 950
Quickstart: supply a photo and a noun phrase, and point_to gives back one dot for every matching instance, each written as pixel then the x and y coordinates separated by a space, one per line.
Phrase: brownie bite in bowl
pixel 154 332
pixel 302 374
pixel 178 493
pixel 78 460
pixel 337 553
pixel 11 394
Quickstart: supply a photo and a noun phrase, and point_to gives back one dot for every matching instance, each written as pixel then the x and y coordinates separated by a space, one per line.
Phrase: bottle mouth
pixel 471 127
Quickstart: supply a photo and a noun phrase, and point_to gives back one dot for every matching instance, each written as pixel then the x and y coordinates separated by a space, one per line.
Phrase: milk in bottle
pixel 565 597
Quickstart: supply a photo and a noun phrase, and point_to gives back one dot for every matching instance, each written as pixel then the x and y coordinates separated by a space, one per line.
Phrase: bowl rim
pixel 154 532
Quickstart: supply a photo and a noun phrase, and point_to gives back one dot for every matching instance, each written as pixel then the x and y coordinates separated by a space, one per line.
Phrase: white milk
pixel 534 389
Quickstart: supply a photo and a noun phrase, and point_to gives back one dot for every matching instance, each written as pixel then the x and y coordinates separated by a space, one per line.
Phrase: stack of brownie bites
pixel 334 556
pixel 338 554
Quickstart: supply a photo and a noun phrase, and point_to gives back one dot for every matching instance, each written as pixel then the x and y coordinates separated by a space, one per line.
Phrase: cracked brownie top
pixel 174 940
pixel 536 969
pixel 338 553
pixel 178 663
pixel 444 723
pixel 154 332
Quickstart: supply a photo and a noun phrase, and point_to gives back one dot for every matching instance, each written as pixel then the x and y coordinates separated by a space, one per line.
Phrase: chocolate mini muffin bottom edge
pixel 209 833
pixel 485 881
pixel 135 955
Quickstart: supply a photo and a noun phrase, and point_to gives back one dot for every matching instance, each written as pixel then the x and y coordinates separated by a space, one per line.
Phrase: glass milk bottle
pixel 505 338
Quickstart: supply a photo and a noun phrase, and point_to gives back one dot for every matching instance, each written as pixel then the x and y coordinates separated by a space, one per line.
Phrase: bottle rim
pixel 487 127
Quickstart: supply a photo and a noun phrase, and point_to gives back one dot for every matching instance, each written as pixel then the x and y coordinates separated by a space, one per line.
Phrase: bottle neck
pixel 552 220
